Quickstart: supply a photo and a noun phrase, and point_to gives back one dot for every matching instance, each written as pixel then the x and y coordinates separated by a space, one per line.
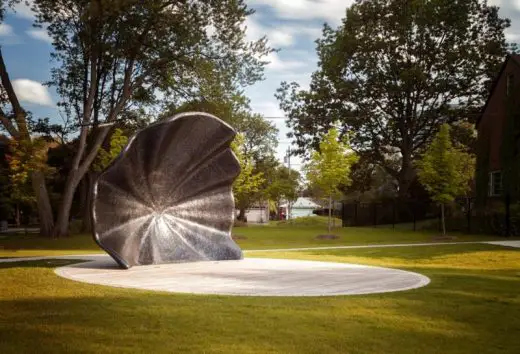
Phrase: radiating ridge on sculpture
pixel 168 196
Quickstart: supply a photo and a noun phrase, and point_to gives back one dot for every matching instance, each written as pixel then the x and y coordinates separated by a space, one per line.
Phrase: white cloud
pixel 329 10
pixel 23 10
pixel 32 91
pixel 281 36
pixel 277 64
pixel 40 34
pixel 6 30
pixel 512 37
pixel 267 108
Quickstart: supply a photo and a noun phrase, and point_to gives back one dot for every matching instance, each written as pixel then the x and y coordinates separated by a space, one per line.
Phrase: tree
pixel 282 184
pixel 24 158
pixel 445 170
pixel 260 135
pixel 14 120
pixel 118 54
pixel 330 167
pixel 393 72
pixel 117 142
pixel 248 182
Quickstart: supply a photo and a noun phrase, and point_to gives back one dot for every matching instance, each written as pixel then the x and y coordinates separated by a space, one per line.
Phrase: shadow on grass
pixel 458 314
pixel 47 263
pixel 413 252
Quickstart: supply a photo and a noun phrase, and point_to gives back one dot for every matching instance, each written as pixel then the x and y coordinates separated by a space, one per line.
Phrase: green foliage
pixel 248 182
pixel 445 170
pixel 24 158
pixel 329 168
pixel 393 72
pixel 117 142
pixel 282 184
pixel 187 50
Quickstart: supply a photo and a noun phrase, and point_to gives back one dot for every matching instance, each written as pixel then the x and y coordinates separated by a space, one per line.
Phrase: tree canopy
pixel 445 170
pixel 330 166
pixel 393 72
pixel 114 58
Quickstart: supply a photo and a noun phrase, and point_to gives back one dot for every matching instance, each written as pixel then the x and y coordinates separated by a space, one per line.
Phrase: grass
pixel 295 234
pixel 472 305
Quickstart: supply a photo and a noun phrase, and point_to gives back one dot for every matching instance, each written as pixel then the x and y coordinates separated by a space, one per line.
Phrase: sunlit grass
pixel 252 237
pixel 472 305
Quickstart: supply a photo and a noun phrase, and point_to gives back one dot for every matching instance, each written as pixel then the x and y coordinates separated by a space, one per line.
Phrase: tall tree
pixel 260 135
pixel 282 184
pixel 248 182
pixel 393 72
pixel 330 167
pixel 14 120
pixel 445 170
pixel 116 54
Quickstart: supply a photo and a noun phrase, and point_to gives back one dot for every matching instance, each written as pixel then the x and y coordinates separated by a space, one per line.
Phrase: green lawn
pixel 277 235
pixel 471 306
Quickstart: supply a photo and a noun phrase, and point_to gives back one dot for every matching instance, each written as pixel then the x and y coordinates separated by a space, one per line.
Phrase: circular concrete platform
pixel 249 277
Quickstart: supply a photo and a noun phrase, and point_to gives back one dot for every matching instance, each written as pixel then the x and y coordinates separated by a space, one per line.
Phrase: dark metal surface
pixel 167 197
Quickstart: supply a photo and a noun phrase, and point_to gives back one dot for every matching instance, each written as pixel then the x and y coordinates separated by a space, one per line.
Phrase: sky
pixel 292 26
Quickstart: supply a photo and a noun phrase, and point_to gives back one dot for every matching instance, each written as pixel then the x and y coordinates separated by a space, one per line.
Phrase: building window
pixel 495 183
pixel 509 84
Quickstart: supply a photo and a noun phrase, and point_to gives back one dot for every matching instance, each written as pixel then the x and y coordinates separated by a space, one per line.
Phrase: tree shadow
pixel 44 263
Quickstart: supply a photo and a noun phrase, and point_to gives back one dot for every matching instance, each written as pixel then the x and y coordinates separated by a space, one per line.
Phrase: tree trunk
pixel 61 228
pixel 45 216
pixel 442 220
pixel 242 214
pixel 330 214
pixel 405 175
pixel 17 215
pixel 89 180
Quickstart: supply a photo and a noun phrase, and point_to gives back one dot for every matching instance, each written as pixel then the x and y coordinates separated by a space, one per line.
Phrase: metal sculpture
pixel 167 197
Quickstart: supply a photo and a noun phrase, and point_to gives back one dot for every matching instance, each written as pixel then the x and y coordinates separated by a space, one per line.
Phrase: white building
pixel 302 207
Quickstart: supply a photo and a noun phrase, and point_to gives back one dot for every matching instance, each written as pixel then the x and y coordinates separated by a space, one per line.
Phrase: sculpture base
pixel 249 277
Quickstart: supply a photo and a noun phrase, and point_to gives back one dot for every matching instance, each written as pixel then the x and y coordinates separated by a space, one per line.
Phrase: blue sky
pixel 290 25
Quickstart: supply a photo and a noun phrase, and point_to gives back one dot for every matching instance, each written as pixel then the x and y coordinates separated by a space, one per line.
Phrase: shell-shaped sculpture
pixel 167 197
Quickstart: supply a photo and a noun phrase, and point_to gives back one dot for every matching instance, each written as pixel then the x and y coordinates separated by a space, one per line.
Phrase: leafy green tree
pixel 117 142
pixel 445 170
pixel 14 120
pixel 260 136
pixel 117 54
pixel 248 182
pixel 283 184
pixel 393 72
pixel 330 167
pixel 24 158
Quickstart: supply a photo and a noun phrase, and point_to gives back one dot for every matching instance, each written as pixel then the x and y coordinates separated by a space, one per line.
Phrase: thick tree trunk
pixel 443 220
pixel 45 216
pixel 330 214
pixel 61 228
pixel 89 180
pixel 242 214
pixel 405 178
pixel 17 215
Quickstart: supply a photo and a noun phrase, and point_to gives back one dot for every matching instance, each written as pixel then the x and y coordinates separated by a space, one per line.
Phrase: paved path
pixel 94 256
pixel 515 244
pixel 363 246
pixel 249 277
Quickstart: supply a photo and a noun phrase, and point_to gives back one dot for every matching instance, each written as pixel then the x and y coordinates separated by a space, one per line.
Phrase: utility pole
pixel 289 172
